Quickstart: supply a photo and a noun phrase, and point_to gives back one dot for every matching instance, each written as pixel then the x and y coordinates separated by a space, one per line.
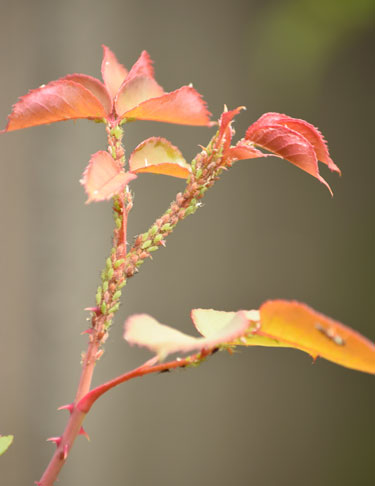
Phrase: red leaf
pixel 243 150
pixel 311 133
pixel 103 178
pixel 158 156
pixel 183 106
pixel 95 87
pixel 57 101
pixel 144 330
pixel 225 130
pixel 113 72
pixel 288 144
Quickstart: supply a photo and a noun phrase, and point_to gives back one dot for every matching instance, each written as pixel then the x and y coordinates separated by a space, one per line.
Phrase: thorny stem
pixel 147 368
pixel 206 169
pixel 106 299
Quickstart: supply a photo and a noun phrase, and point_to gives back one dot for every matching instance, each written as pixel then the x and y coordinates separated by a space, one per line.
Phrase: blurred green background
pixel 263 417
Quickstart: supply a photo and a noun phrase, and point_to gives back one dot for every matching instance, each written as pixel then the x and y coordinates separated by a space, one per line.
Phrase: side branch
pixel 85 404
pixel 206 169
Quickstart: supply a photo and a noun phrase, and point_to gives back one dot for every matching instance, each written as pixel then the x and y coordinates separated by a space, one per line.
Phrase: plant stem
pixel 112 277
pixel 206 169
pixel 147 368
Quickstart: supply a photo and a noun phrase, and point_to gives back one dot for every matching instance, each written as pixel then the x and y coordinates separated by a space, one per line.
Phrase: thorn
pixel 56 440
pixel 68 407
pixel 82 431
pixel 88 331
pixel 65 452
pixel 163 243
pixel 95 309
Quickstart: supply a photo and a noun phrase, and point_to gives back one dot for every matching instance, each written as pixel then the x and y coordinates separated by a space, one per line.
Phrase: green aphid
pixel 105 286
pixel 202 190
pixel 158 238
pixel 103 308
pixel 110 273
pixel 153 230
pixel 118 263
pixel 116 295
pixel 114 308
pixel 98 296
pixel 190 210
pixel 121 285
pixel 108 263
pixel 166 227
pixel 118 223
pixel 139 263
pixel 198 173
pixel 146 244
pixel 153 248
pixel 108 324
pixel 117 132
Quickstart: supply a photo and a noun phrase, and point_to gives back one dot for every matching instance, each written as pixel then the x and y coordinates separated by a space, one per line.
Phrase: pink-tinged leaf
pixel 95 87
pixel 144 330
pixel 158 156
pixel 134 91
pixel 288 144
pixel 103 178
pixel 57 101
pixel 311 133
pixel 243 150
pixel 208 321
pixel 303 327
pixel 225 130
pixel 142 67
pixel 113 73
pixel 183 106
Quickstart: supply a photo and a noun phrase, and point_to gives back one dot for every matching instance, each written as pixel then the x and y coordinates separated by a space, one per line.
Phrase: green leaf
pixel 5 442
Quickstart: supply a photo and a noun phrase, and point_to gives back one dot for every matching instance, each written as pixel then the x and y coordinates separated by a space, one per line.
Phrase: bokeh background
pixel 263 417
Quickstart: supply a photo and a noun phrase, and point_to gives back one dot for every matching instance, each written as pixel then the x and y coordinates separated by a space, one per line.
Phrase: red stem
pixel 90 398
pixel 83 405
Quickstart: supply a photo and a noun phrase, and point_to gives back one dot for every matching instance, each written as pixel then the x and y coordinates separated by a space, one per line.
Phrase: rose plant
pixel 125 96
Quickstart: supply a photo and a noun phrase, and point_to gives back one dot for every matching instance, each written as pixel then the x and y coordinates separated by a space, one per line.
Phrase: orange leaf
pixel 95 87
pixel 292 324
pixel 301 326
pixel 113 73
pixel 183 106
pixel 103 178
pixel 56 101
pixel 158 156
pixel 135 91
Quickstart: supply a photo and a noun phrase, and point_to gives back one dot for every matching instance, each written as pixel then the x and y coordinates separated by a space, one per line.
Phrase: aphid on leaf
pixel 330 334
